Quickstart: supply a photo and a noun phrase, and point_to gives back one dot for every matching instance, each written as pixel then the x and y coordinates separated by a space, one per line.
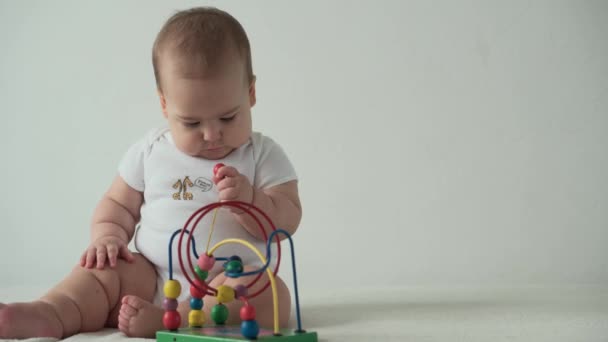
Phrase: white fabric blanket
pixel 413 314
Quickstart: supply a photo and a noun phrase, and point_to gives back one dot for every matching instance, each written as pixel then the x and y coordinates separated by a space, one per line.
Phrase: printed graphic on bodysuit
pixel 182 187
pixel 203 183
pixel 187 195
pixel 178 184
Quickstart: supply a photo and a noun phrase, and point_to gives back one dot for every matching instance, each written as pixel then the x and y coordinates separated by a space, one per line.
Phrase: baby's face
pixel 208 118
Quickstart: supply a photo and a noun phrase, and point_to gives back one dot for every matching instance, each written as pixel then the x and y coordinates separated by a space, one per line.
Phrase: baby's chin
pixel 214 154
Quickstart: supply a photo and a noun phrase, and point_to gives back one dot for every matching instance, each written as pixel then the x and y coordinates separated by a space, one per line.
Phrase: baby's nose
pixel 211 133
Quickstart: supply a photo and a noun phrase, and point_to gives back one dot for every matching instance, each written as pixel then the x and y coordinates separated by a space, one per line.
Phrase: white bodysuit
pixel 175 185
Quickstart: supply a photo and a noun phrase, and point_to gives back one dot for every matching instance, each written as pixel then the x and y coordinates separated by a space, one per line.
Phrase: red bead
pixel 171 320
pixel 247 313
pixel 195 292
pixel 217 167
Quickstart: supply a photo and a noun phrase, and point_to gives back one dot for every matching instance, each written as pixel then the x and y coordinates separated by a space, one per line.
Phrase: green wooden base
pixel 230 334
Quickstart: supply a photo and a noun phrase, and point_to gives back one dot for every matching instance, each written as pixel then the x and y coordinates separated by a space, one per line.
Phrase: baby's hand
pixel 105 248
pixel 232 185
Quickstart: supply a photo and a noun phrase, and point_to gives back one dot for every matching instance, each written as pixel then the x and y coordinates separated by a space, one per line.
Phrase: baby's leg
pixel 86 300
pixel 262 303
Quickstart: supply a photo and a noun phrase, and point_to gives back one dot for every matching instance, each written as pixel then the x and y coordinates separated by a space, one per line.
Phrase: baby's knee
pixel 139 263
pixel 108 279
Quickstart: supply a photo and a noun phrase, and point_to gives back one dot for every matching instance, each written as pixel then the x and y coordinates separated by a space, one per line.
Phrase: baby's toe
pixel 127 310
pixel 134 302
pixel 124 322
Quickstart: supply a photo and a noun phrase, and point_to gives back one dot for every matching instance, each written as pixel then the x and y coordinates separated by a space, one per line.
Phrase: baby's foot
pixel 25 320
pixel 139 318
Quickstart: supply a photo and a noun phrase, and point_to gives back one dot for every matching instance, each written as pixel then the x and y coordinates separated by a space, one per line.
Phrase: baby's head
pixel 202 65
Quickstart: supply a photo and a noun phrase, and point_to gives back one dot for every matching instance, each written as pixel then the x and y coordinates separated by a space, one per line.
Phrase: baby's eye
pixel 228 119
pixel 191 124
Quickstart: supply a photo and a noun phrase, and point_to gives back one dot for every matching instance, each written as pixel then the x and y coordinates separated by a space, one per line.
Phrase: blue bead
pixel 250 329
pixel 196 303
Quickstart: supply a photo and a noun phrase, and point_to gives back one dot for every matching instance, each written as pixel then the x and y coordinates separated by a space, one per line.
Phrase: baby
pixel 206 86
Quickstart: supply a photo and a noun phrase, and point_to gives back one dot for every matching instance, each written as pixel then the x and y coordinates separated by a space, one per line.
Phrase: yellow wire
pixel 275 297
pixel 211 231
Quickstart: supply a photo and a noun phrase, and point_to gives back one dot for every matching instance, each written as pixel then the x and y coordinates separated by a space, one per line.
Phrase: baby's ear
pixel 252 98
pixel 163 103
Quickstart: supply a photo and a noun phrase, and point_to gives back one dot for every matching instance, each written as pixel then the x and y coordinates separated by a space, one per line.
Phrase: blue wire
pixel 293 266
pixel 237 275
pixel 193 251
pixel 171 250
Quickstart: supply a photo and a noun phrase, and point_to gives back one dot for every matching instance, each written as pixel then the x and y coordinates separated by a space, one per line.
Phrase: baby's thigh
pixel 137 278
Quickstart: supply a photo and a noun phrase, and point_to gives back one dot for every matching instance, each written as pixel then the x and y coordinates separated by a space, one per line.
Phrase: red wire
pixel 259 225
pixel 202 214
pixel 204 211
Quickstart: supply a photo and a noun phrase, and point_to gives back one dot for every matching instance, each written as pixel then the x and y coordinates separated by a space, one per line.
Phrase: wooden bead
pixel 219 314
pixel 234 266
pixel 240 291
pixel 202 274
pixel 170 304
pixel 172 289
pixel 196 303
pixel 172 320
pixel 206 262
pixel 247 313
pixel 195 292
pixel 225 294
pixel 196 318
pixel 217 167
pixel 250 329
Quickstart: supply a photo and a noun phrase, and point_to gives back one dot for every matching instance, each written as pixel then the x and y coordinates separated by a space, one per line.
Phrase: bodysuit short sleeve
pixel 272 166
pixel 131 167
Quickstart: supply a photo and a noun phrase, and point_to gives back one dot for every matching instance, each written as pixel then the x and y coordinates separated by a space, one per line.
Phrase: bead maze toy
pixel 233 268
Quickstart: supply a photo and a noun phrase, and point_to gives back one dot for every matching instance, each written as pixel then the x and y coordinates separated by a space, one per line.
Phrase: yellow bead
pixel 172 289
pixel 225 294
pixel 196 318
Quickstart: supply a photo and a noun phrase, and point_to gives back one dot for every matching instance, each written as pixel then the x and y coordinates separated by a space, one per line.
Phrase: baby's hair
pixel 203 36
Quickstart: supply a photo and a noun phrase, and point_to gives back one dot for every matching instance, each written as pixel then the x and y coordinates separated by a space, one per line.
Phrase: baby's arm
pixel 113 225
pixel 281 202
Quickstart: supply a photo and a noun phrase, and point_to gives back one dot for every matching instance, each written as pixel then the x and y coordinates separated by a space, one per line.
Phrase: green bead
pixel 219 314
pixel 202 274
pixel 234 266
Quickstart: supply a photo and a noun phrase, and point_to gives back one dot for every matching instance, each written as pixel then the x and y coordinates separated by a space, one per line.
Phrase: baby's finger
pixel 228 194
pixel 112 253
pixel 126 253
pixel 83 259
pixel 227 171
pixel 101 257
pixel 226 183
pixel 91 252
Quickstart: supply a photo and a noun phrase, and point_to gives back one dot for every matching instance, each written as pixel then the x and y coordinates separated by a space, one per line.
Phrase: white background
pixel 447 143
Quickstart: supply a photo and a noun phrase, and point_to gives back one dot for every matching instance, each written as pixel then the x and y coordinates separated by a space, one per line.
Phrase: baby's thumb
pixel 126 253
